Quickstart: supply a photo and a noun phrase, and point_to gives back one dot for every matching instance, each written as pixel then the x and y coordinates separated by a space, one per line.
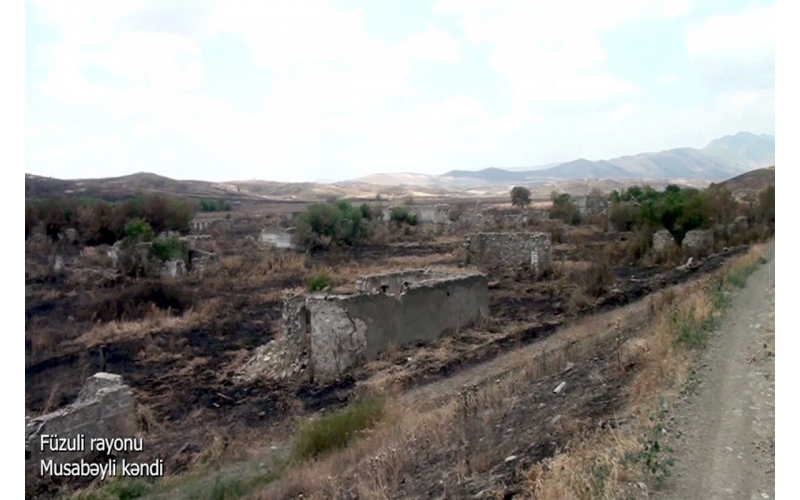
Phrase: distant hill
pixel 721 159
pixel 753 181
pixel 759 150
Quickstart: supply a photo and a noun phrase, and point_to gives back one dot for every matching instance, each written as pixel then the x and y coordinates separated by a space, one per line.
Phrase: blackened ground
pixel 181 377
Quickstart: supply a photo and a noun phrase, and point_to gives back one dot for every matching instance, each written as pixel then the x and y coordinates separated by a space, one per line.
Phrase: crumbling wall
pixel 105 408
pixel 344 331
pixel 591 205
pixel 277 238
pixel 663 241
pixel 698 242
pixel 431 214
pixel 509 251
pixel 199 225
pixel 394 283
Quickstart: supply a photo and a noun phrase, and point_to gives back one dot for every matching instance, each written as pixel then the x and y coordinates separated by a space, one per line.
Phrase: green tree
pixel 520 196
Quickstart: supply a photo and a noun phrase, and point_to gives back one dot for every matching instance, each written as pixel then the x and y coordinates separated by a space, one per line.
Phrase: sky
pixel 332 90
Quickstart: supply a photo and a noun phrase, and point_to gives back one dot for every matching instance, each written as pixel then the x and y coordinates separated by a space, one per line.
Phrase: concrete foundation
pixel 339 332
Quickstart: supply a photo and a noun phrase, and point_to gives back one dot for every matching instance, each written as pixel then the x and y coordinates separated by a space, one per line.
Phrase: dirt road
pixel 723 432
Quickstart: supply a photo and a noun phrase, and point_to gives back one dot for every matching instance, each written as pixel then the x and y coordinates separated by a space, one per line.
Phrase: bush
pixel 318 282
pixel 172 248
pixel 137 230
pixel 766 205
pixel 336 430
pixel 565 209
pixel 401 215
pixel 520 196
pixel 325 223
pixel 220 205
pixel 98 221
pixel 366 211
pixel 623 215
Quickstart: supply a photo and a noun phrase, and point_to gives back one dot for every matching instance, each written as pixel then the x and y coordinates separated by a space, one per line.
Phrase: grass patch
pixel 318 282
pixel 692 326
pixel 172 248
pixel 116 489
pixel 336 430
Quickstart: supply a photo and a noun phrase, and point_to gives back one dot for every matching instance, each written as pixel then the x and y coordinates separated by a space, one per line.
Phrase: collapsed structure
pixel 105 408
pixel 509 251
pixel 338 332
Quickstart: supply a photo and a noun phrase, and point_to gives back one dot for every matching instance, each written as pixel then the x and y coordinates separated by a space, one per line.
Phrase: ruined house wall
pixel 396 282
pixel 591 205
pixel 277 238
pixel 348 330
pixel 431 214
pixel 105 408
pixel 509 250
pixel 698 242
pixel 663 241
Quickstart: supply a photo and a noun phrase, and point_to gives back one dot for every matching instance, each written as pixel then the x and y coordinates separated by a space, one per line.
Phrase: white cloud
pixel 671 9
pixel 548 52
pixel 748 103
pixel 751 32
pixel 735 51
pixel 670 79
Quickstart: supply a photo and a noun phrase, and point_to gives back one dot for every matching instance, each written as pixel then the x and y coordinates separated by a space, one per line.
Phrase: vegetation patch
pixel 336 430
pixel 319 281
pixel 402 215
pixel 171 248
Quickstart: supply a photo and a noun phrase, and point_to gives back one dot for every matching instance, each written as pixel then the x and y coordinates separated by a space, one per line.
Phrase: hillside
pixel 753 181
pixel 721 159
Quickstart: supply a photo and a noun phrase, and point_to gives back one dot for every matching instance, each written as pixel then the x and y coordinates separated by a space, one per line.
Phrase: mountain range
pixel 721 159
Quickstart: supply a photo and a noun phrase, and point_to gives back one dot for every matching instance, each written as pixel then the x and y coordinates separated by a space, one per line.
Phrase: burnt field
pixel 181 342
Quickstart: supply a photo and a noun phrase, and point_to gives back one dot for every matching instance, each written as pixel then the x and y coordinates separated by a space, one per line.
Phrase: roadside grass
pixel 336 430
pixel 615 464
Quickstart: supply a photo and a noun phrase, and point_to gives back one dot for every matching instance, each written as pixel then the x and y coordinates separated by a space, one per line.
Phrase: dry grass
pixel 597 467
pixel 156 320
pixel 372 466
pixel 587 471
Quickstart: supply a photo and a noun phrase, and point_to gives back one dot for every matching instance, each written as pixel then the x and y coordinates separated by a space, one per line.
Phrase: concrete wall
pixel 105 408
pixel 509 251
pixel 698 242
pixel 432 214
pixel 346 330
pixel 394 283
pixel 198 225
pixel 276 238
pixel 663 241
pixel 591 205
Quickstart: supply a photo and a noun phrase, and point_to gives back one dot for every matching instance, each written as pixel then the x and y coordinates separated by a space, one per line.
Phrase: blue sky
pixel 302 91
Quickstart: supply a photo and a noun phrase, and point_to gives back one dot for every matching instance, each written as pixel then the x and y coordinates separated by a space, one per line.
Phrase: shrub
pixel 137 230
pixel 325 223
pixel 31 219
pixel 520 196
pixel 220 205
pixel 766 205
pixel 623 215
pixel 401 215
pixel 172 248
pixel 98 221
pixel 336 430
pixel 565 209
pixel 366 211
pixel 319 281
